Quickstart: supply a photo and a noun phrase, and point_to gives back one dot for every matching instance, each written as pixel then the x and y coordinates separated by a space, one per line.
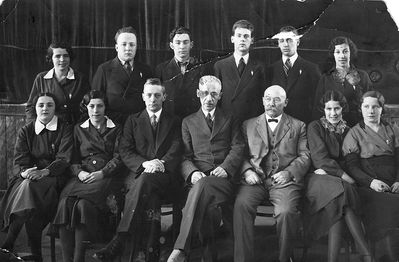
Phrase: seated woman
pixel 331 200
pixel 68 85
pixel 42 154
pixel 345 78
pixel 95 163
pixel 371 151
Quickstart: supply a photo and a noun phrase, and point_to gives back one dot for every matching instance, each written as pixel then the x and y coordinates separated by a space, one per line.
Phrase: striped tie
pixel 287 66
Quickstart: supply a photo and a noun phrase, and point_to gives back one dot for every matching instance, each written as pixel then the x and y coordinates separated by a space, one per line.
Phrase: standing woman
pixel 371 151
pixel 95 163
pixel 331 199
pixel 345 78
pixel 42 154
pixel 67 85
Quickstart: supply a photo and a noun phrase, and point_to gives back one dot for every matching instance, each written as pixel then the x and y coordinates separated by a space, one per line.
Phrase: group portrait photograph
pixel 199 130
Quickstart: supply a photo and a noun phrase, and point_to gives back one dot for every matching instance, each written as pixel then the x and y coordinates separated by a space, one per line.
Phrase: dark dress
pixel 375 155
pixel 326 195
pixel 48 149
pixel 93 150
pixel 353 86
pixel 69 94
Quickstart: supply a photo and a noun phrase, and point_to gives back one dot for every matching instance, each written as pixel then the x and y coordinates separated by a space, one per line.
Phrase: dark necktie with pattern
pixel 209 121
pixel 128 68
pixel 287 66
pixel 154 122
pixel 241 66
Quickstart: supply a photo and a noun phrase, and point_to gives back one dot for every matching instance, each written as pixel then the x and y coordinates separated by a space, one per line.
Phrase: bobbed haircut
pixel 36 98
pixel 126 29
pixel 94 94
pixel 375 94
pixel 339 40
pixel 179 31
pixel 63 45
pixel 333 95
pixel 243 24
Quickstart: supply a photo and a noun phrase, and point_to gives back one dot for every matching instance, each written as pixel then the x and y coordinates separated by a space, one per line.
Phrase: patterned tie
pixel 287 66
pixel 241 66
pixel 128 67
pixel 209 121
pixel 154 122
pixel 183 67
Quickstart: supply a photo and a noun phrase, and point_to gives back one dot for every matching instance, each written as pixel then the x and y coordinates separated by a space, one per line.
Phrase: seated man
pixel 150 147
pixel 213 149
pixel 274 167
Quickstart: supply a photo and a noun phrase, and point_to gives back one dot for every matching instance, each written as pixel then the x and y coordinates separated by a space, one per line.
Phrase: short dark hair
pixel 333 95
pixel 243 24
pixel 178 31
pixel 126 29
pixel 289 28
pixel 62 45
pixel 339 40
pixel 375 94
pixel 36 98
pixel 94 94
pixel 155 82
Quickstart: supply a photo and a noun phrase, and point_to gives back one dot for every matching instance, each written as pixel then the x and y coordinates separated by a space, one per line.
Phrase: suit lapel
pixel 218 122
pixel 282 128
pixel 294 73
pixel 201 122
pixel 164 126
pixel 172 69
pixel 248 73
pixel 261 127
pixel 146 126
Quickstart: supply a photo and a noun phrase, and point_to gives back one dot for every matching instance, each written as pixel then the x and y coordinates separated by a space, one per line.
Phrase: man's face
pixel 288 45
pixel 181 46
pixel 209 95
pixel 242 40
pixel 274 102
pixel 126 46
pixel 153 97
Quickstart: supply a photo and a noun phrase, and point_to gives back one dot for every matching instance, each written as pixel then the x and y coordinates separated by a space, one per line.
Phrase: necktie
pixel 241 66
pixel 183 67
pixel 287 66
pixel 128 67
pixel 272 120
pixel 209 121
pixel 154 122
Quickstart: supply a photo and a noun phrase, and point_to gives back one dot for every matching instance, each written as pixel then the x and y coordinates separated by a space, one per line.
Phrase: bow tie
pixel 272 120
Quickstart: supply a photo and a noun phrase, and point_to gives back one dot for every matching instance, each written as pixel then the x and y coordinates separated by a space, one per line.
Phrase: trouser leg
pixel 334 241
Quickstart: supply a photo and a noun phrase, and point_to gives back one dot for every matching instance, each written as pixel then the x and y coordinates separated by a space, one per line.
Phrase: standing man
pixel 150 148
pixel 243 78
pixel 274 167
pixel 180 75
pixel 297 76
pixel 213 149
pixel 122 78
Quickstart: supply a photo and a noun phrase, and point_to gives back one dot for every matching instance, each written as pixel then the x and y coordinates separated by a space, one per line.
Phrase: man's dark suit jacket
pixel 204 150
pixel 123 91
pixel 138 144
pixel 181 90
pixel 242 97
pixel 300 86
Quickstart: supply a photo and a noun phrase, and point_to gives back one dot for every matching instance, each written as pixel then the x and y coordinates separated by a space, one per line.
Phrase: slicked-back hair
pixel 127 29
pixel 155 82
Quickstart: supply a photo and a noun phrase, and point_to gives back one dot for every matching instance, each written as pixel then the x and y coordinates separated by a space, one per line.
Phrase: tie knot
pixel 209 116
pixel 288 63
pixel 272 120
pixel 241 66
pixel 154 117
pixel 127 66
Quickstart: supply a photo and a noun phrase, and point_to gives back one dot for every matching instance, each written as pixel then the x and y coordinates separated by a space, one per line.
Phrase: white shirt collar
pixel 157 114
pixel 50 74
pixel 209 112
pixel 292 58
pixel 237 58
pixel 52 125
pixel 273 125
pixel 109 123
pixel 124 62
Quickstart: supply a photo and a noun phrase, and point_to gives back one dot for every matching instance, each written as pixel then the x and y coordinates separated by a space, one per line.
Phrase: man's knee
pixel 242 205
pixel 287 209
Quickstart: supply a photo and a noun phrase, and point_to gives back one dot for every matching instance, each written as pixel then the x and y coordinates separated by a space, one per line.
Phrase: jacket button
pixel 94 162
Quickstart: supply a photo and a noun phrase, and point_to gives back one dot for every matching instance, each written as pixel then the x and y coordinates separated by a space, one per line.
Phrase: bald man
pixel 275 163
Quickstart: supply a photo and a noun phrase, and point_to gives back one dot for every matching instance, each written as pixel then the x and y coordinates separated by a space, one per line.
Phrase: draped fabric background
pixel 27 27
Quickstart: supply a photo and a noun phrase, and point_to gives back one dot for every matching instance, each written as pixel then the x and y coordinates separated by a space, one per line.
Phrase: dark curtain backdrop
pixel 29 26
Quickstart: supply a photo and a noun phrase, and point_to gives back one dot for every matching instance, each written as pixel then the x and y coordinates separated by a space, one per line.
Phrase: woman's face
pixel 371 110
pixel 333 112
pixel 45 109
pixel 342 55
pixel 96 110
pixel 61 59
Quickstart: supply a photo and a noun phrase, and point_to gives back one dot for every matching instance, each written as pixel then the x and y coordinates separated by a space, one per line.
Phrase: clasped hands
pixel 379 186
pixel 88 178
pixel 344 176
pixel 34 174
pixel 155 165
pixel 218 172
pixel 279 178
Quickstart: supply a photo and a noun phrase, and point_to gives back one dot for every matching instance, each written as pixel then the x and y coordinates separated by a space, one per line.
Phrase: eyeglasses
pixel 203 94
pixel 275 100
